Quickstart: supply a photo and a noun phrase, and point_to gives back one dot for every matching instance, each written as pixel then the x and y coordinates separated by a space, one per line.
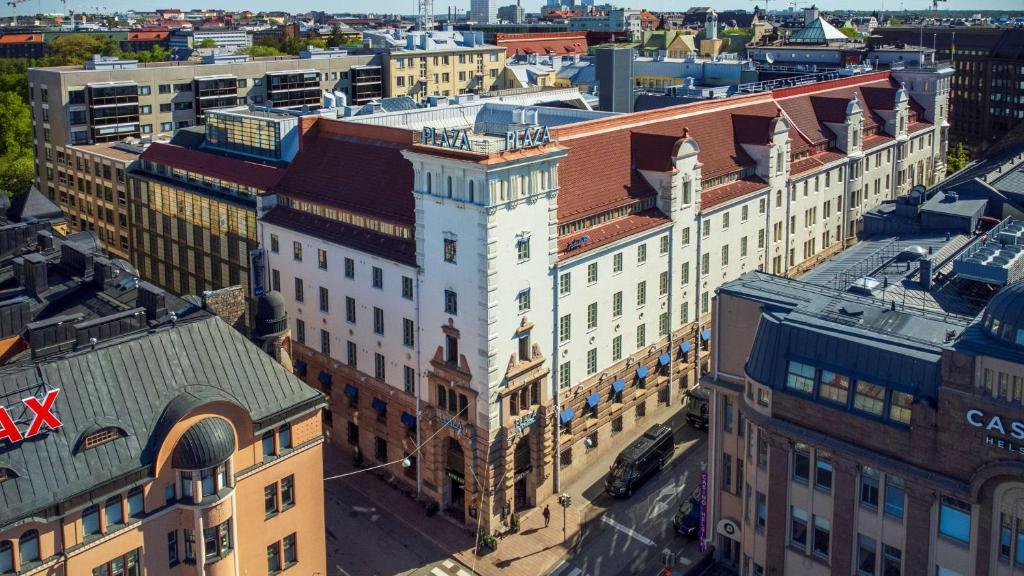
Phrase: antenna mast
pixel 425 21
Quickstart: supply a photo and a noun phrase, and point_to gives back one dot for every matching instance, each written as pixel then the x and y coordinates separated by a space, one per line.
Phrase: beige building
pixel 439 63
pixel 108 100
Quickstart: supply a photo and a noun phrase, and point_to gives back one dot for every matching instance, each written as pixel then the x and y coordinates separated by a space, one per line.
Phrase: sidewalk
pixel 533 551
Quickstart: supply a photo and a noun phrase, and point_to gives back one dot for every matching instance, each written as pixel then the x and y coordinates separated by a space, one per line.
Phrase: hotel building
pixel 528 287
pixel 142 434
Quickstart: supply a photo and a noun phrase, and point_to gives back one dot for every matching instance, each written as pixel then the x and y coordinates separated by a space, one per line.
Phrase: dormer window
pixel 101 437
pixel 5 475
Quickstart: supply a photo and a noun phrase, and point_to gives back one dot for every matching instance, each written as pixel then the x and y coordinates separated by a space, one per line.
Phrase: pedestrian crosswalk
pixel 449 568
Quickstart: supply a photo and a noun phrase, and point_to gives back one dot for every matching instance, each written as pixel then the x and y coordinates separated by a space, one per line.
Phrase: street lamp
pixel 564 500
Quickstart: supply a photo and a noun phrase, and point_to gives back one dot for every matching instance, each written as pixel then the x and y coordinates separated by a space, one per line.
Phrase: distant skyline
pixel 441 6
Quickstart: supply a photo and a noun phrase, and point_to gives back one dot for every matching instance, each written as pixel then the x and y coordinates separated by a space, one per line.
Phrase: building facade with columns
pixel 500 293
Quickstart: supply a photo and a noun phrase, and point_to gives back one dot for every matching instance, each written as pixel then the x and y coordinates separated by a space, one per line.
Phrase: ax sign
pixel 42 414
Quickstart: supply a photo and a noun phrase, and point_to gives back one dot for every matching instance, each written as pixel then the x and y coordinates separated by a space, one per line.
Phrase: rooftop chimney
pixel 153 299
pixel 102 270
pixel 34 273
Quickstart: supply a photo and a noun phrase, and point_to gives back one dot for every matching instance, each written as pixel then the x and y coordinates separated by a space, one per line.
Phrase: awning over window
pixel 324 378
pixel 641 372
pixel 618 385
pixel 567 415
pixel 685 347
pixel 300 366
pixel 665 359
pixel 593 400
pixel 705 335
pixel 408 419
pixel 352 391
pixel 379 404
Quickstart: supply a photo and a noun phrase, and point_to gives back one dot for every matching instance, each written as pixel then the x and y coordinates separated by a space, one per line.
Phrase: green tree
pixel 260 50
pixel 850 32
pixel 318 42
pixel 207 43
pixel 14 76
pixel 77 48
pixel 956 159
pixel 16 166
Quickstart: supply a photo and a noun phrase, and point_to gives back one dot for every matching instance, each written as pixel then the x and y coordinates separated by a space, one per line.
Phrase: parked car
pixel 640 460
pixel 697 407
pixel 686 520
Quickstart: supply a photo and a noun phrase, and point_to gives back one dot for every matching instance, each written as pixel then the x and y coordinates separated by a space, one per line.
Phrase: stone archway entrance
pixel 523 465
pixel 455 480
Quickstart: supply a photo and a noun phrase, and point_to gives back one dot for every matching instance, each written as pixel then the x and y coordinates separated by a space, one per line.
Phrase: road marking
pixel 627 531
pixel 364 509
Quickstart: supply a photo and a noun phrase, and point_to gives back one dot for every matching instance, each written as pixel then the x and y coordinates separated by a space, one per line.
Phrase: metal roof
pixel 208 443
pixel 143 384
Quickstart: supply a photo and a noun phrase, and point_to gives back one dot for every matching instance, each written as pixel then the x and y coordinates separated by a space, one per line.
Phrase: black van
pixel 697 407
pixel 640 460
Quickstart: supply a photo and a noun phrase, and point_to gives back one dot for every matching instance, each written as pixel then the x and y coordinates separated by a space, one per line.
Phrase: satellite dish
pixel 769 57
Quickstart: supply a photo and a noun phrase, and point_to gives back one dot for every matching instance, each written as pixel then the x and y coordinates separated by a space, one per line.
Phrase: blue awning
pixel 685 347
pixel 352 391
pixel 641 372
pixel 324 378
pixel 567 415
pixel 664 359
pixel 593 400
pixel 299 365
pixel 379 404
pixel 705 335
pixel 408 419
pixel 618 385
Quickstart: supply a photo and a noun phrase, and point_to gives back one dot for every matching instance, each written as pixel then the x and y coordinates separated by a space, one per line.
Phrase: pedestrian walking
pixel 547 515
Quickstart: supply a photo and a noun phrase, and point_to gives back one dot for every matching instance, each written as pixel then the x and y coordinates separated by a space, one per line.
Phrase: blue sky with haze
pixel 441 6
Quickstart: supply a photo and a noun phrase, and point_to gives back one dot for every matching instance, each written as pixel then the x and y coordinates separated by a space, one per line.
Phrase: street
pixel 628 536
pixel 373 529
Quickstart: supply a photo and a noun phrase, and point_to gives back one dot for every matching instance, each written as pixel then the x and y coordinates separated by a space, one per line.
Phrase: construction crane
pixel 935 8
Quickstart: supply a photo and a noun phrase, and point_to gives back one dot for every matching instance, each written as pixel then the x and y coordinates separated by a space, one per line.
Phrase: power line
pixel 401 460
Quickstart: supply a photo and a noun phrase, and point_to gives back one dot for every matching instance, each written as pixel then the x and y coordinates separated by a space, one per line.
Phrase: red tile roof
pixel 611 231
pixel 717 195
pixel 560 43
pixel 918 126
pixel 809 111
pixel 21 38
pixel 337 167
pixel 814 162
pixel 148 35
pixel 386 246
pixel 244 172
pixel 875 140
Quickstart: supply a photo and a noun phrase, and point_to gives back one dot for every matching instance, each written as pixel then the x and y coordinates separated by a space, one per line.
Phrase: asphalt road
pixel 628 536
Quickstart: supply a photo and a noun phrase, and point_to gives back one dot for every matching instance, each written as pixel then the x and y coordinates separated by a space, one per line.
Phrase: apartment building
pixel 437 63
pixel 987 96
pixel 870 434
pixel 109 100
pixel 214 466
pixel 529 286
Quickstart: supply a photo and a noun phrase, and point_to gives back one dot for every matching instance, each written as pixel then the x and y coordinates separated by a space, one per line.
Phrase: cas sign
pixel 445 138
pixel 1014 429
pixel 529 137
pixel 41 412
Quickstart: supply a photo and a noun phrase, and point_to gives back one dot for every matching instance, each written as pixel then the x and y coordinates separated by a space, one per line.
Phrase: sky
pixel 442 6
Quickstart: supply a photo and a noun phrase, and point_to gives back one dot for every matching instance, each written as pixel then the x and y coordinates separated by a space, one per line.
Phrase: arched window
pixel 6 557
pixel 449 191
pixel 100 437
pixel 28 547
pixel 472 191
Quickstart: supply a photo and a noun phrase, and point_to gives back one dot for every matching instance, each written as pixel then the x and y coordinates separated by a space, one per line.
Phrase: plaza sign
pixel 42 414
pixel 529 137
pixel 445 138
pixel 1013 429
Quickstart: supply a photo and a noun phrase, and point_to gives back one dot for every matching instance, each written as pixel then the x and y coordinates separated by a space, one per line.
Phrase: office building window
pixel 834 387
pixel 299 292
pixel 641 336
pixel 565 328
pixel 641 253
pixel 297 251
pixel 172 549
pixel 407 287
pixel 523 249
pixel 378 366
pixel 350 309
pixel 761 511
pixel 378 321
pixel 798 527
pixel 869 488
pixel 450 249
pixel 955 519
pixel 378 278
pixel 325 342
pixel 800 377
pixel 91 520
pixel 564 283
pixel 350 268
pixel 351 354
pixel 564 375
pixel 899 407
pixel 324 300
pixel 300 330
pixel 892 561
pixel 869 398
pixel 592 315
pixel 822 535
pixel 523 300
pixel 617 262
pixel 823 470
pixel 866 552
pixel 894 496
pixel 451 302
pixel 217 541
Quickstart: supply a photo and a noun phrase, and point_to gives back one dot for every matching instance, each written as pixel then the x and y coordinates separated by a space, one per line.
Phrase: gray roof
pixel 33 205
pixel 142 384
pixel 208 443
pixel 861 337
